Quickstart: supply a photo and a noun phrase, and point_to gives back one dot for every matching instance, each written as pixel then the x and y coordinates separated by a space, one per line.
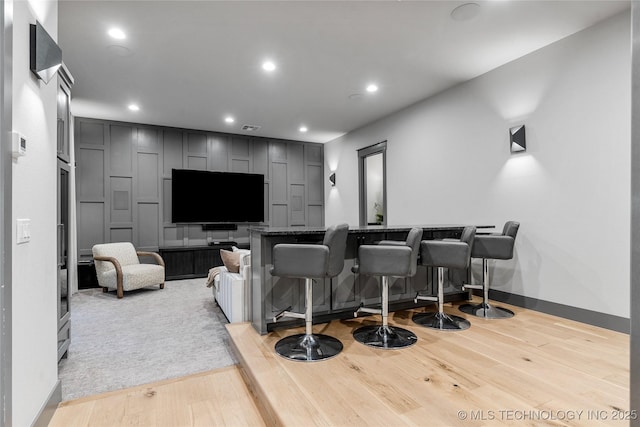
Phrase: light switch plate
pixel 23 230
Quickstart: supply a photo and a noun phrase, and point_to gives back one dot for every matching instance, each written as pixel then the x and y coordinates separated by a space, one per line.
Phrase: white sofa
pixel 231 290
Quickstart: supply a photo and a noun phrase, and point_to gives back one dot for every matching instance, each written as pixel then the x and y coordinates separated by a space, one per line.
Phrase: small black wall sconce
pixel 332 179
pixel 517 140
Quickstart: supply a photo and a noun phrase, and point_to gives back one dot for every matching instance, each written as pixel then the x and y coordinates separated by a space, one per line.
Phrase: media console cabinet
pixel 337 298
pixel 188 262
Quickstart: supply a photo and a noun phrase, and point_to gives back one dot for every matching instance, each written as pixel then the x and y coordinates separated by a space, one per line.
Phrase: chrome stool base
pixel 441 321
pixel 487 311
pixel 385 337
pixel 308 348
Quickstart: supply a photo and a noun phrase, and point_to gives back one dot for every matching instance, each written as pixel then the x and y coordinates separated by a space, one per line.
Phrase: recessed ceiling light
pixel 268 66
pixel 303 128
pixel 117 33
pixel 134 107
pixel 229 119
pixel 372 88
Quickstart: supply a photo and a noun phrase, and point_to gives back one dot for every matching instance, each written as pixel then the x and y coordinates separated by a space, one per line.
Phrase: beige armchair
pixel 118 267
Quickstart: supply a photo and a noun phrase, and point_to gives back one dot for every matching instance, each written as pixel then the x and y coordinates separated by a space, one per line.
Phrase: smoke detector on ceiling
pixel 250 128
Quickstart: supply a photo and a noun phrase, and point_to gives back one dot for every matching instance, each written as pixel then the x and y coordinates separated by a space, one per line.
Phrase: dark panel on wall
pixel 166 201
pixel 91 171
pixel 314 153
pixel 240 147
pixel 279 216
pixel 121 149
pixel 92 133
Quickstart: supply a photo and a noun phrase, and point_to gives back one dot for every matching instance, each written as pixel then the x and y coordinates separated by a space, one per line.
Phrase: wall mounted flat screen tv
pixel 216 197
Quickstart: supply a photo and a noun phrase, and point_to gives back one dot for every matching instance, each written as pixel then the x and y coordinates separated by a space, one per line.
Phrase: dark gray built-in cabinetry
pixel 124 182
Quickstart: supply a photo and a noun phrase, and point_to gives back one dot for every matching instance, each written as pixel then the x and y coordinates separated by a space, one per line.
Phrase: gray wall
pixel 124 181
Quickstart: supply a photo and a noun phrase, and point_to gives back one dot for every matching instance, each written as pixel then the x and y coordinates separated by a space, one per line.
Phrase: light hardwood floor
pixel 533 369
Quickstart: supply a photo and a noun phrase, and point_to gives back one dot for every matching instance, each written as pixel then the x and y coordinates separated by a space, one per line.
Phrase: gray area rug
pixel 149 335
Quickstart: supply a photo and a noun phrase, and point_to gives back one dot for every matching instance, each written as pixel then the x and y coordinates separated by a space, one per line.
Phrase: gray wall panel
pixel 91 181
pixel 148 225
pixel 122 235
pixel 218 151
pixel 148 141
pixel 172 150
pixel 296 205
pixel 240 147
pixel 261 158
pixel 279 182
pixel 314 153
pixel 295 160
pixel 121 200
pixel 241 166
pixel 316 216
pixel 197 163
pixel 92 133
pixel 197 143
pixel 278 151
pixel 314 184
pixel 121 149
pixel 279 216
pixel 91 222
pixel 127 169
pixel 148 179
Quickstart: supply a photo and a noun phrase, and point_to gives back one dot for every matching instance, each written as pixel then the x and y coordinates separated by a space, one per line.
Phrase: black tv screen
pixel 216 197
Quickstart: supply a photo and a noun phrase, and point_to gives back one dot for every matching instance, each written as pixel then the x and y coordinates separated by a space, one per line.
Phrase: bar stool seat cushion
pixel 493 247
pixel 447 254
pixel 300 261
pixel 385 260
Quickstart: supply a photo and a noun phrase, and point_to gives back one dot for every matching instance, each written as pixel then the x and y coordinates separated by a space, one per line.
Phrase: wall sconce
pixel 332 179
pixel 517 139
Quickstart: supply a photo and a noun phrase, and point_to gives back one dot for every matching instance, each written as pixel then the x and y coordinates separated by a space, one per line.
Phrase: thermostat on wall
pixel 19 144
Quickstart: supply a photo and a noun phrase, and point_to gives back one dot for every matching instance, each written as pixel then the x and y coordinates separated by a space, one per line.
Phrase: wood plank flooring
pixel 215 398
pixel 531 370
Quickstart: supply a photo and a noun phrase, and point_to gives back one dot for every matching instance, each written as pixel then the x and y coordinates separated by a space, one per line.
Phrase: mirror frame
pixel 363 153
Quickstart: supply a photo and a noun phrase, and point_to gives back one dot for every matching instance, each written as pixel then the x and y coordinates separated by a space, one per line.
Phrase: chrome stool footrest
pixel 441 321
pixel 308 347
pixel 363 309
pixel 419 297
pixel 487 311
pixel 385 337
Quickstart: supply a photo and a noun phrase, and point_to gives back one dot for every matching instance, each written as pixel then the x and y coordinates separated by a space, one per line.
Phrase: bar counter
pixel 337 298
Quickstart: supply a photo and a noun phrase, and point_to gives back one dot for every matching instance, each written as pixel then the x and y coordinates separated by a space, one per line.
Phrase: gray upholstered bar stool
pixel 388 258
pixel 308 262
pixel 491 246
pixel 444 254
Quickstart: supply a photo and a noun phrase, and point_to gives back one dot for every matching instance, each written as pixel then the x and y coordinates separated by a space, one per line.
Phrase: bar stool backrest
pixel 511 229
pixel 336 239
pixel 413 241
pixel 468 235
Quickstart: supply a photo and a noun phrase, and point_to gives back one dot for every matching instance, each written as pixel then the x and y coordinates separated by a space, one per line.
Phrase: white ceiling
pixel 188 64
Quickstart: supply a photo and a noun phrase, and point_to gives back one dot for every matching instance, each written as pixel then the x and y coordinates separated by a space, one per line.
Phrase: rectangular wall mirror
pixel 373 184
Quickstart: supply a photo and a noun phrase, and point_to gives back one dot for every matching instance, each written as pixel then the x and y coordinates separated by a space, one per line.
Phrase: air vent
pixel 250 128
